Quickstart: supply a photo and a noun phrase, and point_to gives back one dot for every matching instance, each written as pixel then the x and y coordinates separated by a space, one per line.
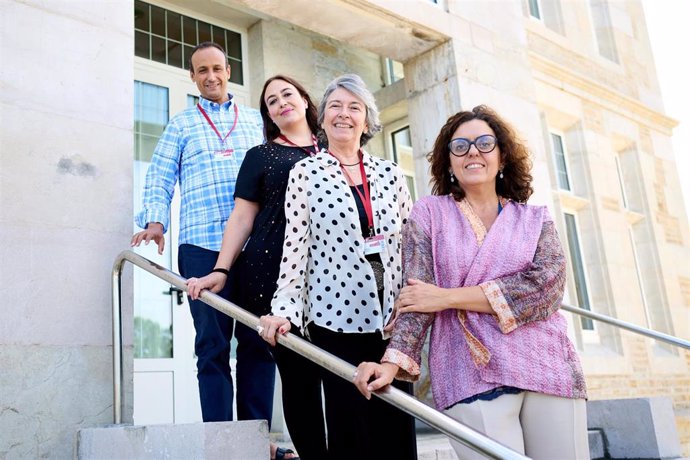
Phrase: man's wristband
pixel 224 271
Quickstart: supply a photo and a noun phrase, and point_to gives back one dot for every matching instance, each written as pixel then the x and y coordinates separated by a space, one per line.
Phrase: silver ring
pixel 354 376
pixel 260 328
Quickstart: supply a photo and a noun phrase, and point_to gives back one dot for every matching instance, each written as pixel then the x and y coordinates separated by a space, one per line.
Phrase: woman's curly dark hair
pixel 515 159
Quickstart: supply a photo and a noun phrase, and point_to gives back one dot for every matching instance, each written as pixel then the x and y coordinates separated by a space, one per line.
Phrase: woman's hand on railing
pixel 271 326
pixel 383 374
pixel 213 282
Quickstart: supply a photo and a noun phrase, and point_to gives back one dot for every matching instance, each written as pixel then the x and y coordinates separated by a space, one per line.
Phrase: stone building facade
pixel 576 78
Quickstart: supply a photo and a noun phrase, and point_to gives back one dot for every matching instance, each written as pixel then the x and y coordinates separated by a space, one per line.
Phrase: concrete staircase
pixel 641 428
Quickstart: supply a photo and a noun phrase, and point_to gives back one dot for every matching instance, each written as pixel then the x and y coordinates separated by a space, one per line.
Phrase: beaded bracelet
pixel 224 271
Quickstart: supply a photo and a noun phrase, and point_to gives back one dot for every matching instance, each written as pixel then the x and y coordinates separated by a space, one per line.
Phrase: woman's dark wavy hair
pixel 271 130
pixel 515 159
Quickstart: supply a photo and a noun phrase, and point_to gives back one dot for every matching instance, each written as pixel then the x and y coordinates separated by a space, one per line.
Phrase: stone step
pixel 240 440
pixel 597 445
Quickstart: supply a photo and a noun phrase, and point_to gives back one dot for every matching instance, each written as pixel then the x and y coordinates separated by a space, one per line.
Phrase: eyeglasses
pixel 460 146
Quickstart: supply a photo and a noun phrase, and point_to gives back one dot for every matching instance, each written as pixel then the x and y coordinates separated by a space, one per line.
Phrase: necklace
pixel 351 165
pixel 306 150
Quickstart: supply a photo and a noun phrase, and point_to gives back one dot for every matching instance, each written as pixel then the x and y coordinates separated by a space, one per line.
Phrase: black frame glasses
pixel 484 144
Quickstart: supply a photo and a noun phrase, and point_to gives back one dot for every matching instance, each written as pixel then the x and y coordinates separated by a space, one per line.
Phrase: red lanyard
pixel 234 123
pixel 307 151
pixel 366 197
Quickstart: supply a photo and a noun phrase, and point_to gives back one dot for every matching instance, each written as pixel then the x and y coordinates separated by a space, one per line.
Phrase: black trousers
pixel 302 403
pixel 255 367
pixel 367 430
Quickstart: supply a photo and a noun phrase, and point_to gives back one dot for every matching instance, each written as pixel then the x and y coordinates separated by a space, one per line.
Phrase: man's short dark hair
pixel 203 45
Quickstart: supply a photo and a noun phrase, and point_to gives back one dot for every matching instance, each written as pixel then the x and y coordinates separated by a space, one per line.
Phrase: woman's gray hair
pixel 355 85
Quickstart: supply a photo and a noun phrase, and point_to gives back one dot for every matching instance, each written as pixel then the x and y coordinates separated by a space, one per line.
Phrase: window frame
pixel 590 11
pixel 388 67
pixel 589 334
pixel 389 131
pixel 234 62
pixel 621 183
pixel 540 10
pixel 566 161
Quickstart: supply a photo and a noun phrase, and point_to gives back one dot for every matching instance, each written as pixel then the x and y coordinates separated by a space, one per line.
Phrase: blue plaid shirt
pixel 190 151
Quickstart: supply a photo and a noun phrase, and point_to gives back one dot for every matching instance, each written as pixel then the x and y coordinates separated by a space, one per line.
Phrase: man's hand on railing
pixel 153 232
pixel 383 374
pixel 270 326
pixel 214 282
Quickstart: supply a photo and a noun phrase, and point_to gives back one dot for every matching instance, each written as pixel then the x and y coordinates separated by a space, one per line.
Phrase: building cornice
pixel 559 76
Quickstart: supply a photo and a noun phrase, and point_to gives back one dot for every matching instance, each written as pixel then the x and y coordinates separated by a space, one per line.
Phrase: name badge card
pixel 374 244
pixel 224 153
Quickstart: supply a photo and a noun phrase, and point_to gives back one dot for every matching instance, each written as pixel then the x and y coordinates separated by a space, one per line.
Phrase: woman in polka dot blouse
pixel 341 269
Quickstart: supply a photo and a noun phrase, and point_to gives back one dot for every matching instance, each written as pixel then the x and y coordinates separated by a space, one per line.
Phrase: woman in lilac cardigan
pixel 486 271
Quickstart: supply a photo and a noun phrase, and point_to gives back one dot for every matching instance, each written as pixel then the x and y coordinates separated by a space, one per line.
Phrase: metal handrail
pixel 629 326
pixel 456 430
pixel 401 400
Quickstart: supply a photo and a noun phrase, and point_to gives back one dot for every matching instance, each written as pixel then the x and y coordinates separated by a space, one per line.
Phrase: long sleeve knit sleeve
pixel 532 294
pixel 405 347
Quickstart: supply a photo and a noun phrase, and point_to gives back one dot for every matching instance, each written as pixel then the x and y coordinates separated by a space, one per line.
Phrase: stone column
pixel 433 94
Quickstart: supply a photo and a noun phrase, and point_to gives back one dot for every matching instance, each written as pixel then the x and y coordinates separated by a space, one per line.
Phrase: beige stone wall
pixel 66 105
pixel 610 111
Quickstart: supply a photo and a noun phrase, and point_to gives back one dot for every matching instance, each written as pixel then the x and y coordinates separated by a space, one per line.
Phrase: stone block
pixel 597 447
pixel 636 428
pixel 48 393
pixel 245 439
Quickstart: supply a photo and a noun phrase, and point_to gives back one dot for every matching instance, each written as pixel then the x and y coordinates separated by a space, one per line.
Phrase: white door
pixel 165 384
pixel 165 389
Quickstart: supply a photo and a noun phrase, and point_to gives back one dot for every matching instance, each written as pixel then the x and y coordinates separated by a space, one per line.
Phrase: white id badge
pixel 374 244
pixel 223 154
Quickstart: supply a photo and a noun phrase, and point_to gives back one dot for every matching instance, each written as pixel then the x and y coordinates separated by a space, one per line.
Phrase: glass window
pixel 578 267
pixel 402 155
pixel 560 162
pixel 167 37
pixel 150 117
pixel 638 273
pixel 601 21
pixel 157 15
pixel 142 45
pixel 174 27
pixel 142 17
pixel 175 54
pixel 204 31
pixel 392 70
pixel 158 49
pixel 189 31
pixel 534 9
pixel 629 178
pixel 621 182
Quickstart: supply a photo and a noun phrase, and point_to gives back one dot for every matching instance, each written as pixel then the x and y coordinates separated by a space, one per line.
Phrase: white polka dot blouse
pixel 324 275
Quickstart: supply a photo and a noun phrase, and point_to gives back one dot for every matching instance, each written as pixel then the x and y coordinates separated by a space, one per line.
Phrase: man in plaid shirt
pixel 203 147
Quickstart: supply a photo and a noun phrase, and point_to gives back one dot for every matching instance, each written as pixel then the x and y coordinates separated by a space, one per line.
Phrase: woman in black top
pixel 342 269
pixel 258 221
